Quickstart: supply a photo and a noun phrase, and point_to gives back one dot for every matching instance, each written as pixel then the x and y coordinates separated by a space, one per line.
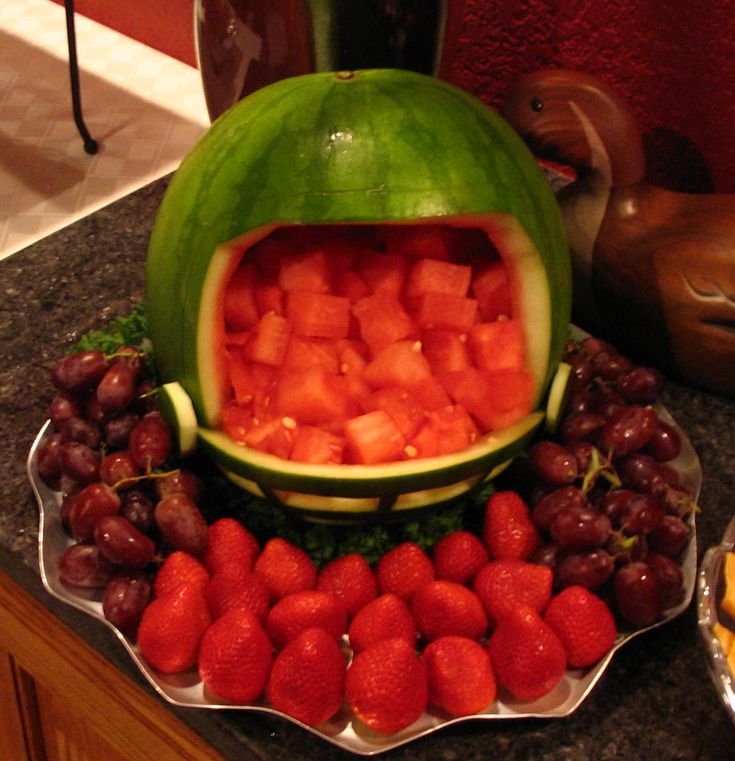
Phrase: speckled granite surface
pixel 654 701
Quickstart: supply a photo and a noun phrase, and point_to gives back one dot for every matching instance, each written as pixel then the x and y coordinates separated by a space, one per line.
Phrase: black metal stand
pixel 90 144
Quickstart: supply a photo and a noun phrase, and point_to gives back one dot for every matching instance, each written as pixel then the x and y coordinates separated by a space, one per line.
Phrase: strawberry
pixel 382 618
pixel 442 607
pixel 508 531
pixel 387 686
pixel 229 540
pixel 235 657
pixel 502 585
pixel 527 656
pixel 179 568
pixel 403 569
pixel 459 556
pixel 171 629
pixel 351 579
pixel 285 568
pixel 234 586
pixel 461 678
pixel 584 624
pixel 307 680
pixel 303 610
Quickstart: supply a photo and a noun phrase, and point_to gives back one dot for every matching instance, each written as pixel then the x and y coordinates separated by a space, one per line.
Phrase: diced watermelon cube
pixel 252 383
pixel 430 393
pixel 241 311
pixel 436 276
pixel 419 241
pixel 308 271
pixel 313 397
pixel 303 352
pixel 319 315
pixel 275 436
pixel 401 363
pixel 317 446
pixel 382 320
pixel 268 297
pixel 402 406
pixel 498 345
pixel 443 311
pixel 373 438
pixel 384 272
pixel 269 339
pixel 424 442
pixel 496 400
pixel 350 285
pixel 445 350
pixel 455 429
pixel 491 287
pixel 236 421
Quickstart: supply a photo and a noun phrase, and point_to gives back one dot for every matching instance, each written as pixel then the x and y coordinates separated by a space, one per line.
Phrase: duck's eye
pixel 537 105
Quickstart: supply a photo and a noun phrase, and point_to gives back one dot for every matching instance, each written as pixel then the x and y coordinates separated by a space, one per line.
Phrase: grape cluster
pixel 603 491
pixel 107 455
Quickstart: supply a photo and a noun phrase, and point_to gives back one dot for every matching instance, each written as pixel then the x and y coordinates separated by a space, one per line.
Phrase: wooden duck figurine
pixel 654 270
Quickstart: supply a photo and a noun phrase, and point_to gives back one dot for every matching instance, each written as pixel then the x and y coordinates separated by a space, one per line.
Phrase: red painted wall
pixel 673 60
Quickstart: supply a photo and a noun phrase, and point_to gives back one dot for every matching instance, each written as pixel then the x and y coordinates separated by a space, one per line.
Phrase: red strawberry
pixel 234 586
pixel 235 657
pixel 382 618
pixel 285 568
pixel 527 657
pixel 307 680
pixel 584 624
pixel 387 686
pixel 229 540
pixel 442 607
pixel 461 678
pixel 299 611
pixel 351 579
pixel 508 530
pixel 403 569
pixel 171 629
pixel 459 556
pixel 503 585
pixel 179 568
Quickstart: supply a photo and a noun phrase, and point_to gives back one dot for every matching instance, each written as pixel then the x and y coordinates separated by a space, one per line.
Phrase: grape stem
pixel 600 467
pixel 128 480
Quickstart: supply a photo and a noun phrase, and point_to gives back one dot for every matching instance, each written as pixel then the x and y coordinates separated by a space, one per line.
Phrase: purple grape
pixel 588 569
pixel 549 506
pixel 84 566
pixel 121 543
pixel 670 537
pixel 641 514
pixel 47 460
pixel 150 442
pixel 79 461
pixel 125 598
pixel 138 508
pixel 641 472
pixel 79 372
pixel 638 594
pixel 640 385
pixel 117 388
pixel 670 578
pixel 82 430
pixel 627 430
pixel 117 430
pixel 63 407
pixel 580 528
pixel 94 502
pixel 581 426
pixel 178 482
pixel 117 466
pixel 553 463
pixel 665 443
pixel 181 523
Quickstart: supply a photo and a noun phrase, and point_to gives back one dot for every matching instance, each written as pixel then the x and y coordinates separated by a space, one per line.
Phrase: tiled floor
pixel 145 109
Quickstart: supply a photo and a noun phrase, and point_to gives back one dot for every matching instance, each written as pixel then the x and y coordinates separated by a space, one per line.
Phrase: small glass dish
pixel 710 589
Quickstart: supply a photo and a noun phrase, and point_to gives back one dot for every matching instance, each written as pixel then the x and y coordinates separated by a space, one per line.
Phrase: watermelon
pixel 304 214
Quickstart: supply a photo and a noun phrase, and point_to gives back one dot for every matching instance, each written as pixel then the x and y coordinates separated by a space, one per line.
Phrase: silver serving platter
pixel 709 587
pixel 186 689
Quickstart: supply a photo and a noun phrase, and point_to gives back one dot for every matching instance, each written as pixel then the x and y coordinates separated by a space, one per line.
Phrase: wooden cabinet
pixel 62 701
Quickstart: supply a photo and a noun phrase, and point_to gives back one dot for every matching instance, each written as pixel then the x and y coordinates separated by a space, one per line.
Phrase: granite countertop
pixel 655 700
